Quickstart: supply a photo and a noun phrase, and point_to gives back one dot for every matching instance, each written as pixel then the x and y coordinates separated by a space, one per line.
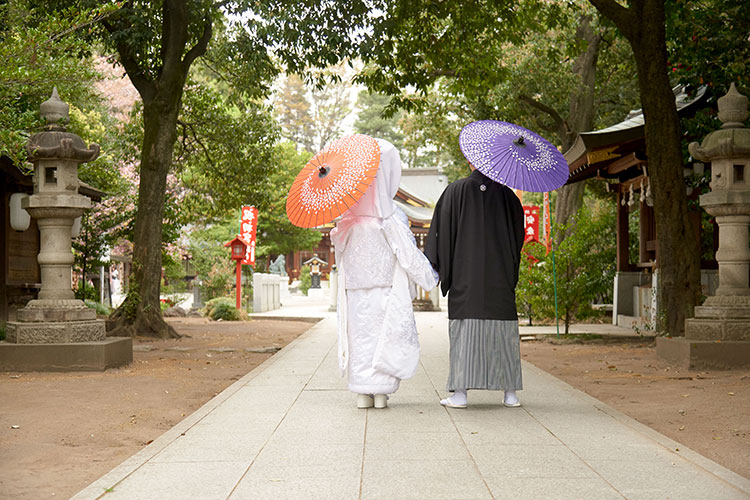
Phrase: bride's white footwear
pixel 364 401
pixel 381 401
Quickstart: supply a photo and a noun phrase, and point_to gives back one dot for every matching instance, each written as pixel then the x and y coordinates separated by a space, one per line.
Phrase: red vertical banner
pixel 531 223
pixel 546 224
pixel 248 228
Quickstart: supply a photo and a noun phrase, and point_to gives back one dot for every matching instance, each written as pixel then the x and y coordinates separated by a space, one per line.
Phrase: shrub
pixel 585 268
pixel 100 308
pixel 305 280
pixel 222 308
pixel 225 312
pixel 87 292
pixel 211 304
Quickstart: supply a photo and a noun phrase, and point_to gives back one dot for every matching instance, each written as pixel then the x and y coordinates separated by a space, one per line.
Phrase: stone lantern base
pixel 71 339
pixel 72 356
pixel 718 336
pixel 39 332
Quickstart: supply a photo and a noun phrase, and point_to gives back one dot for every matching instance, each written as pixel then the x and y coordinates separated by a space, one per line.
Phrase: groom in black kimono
pixel 474 244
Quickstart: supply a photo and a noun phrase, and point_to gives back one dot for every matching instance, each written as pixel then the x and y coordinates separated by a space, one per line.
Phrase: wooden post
pixel 644 221
pixel 623 234
pixel 239 284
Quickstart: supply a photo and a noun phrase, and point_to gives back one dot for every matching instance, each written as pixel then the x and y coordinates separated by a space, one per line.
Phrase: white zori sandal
pixel 364 401
pixel 450 404
pixel 381 401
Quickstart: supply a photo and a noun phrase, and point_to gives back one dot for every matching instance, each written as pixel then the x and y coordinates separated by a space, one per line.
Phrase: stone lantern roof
pixel 733 139
pixel 54 141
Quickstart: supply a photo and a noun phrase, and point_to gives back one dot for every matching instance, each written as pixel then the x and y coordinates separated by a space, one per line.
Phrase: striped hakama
pixel 484 354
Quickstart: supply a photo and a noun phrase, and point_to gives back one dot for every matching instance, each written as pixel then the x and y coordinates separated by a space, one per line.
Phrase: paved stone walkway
pixel 290 430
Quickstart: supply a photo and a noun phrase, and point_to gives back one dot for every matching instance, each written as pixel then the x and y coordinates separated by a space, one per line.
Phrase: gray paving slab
pixel 296 484
pixel 290 430
pixel 512 488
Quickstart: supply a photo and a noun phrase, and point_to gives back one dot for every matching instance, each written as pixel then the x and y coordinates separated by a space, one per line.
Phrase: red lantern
pixel 239 248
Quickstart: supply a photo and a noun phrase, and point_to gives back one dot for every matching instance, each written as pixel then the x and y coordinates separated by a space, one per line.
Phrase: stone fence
pixel 266 292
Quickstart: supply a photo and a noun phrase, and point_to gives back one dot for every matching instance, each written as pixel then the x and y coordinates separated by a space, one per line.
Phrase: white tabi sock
pixel 459 397
pixel 510 398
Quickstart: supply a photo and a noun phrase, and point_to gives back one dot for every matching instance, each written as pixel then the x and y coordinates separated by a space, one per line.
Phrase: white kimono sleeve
pixel 411 259
pixel 397 352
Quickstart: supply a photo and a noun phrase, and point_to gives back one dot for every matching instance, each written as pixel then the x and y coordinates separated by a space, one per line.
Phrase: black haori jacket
pixel 474 243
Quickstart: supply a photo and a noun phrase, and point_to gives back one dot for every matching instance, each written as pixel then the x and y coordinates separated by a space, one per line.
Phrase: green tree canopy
pixel 276 234
pixel 42 50
pixel 371 119
pixel 311 116
pixel 157 43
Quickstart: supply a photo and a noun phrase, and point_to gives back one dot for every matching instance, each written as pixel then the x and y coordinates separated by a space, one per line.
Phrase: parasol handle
pixel 519 141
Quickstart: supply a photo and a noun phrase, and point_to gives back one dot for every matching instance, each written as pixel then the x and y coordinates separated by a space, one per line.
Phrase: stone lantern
pixel 719 335
pixel 65 331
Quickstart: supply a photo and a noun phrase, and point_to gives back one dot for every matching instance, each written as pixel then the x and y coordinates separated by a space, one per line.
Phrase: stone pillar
pixel 266 292
pixel 197 300
pixel 56 316
pixel 733 254
pixel 719 334
pixel 258 297
pixel 283 288
pixel 435 297
pixel 333 279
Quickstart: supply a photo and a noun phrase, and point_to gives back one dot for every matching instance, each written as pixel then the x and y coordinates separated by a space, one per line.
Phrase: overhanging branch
pixel 561 126
pixel 622 16
pixel 138 77
pixel 200 47
pixel 185 126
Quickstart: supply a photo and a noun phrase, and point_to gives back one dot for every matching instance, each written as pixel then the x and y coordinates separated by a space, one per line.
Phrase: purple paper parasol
pixel 513 156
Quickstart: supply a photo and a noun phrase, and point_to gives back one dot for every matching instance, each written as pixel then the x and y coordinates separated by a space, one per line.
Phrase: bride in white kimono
pixel 378 262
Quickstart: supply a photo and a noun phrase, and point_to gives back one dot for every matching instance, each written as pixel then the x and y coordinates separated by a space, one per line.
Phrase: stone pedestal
pixel 719 334
pixel 56 331
pixel 66 357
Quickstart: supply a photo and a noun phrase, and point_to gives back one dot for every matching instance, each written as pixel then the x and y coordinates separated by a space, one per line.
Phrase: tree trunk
pixel 569 200
pixel 678 255
pixel 580 119
pixel 140 314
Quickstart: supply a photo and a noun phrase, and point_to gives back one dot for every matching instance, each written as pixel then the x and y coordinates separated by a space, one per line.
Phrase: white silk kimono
pixel 377 259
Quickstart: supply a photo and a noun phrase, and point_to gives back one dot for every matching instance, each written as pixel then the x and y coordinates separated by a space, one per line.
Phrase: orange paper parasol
pixel 333 181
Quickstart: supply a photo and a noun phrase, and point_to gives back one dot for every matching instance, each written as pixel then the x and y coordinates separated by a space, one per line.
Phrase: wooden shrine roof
pixel 609 152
